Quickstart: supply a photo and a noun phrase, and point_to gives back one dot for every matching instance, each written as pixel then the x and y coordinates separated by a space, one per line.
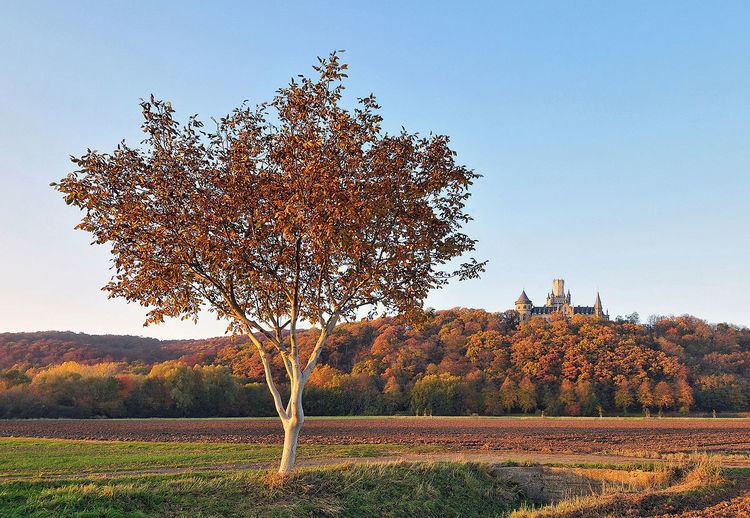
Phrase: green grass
pixel 53 477
pixel 91 478
pixel 386 490
pixel 40 457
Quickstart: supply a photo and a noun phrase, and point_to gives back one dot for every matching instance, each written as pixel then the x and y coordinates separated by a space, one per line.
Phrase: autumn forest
pixel 454 362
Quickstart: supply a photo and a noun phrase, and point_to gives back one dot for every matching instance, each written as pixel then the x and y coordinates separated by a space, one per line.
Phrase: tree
pixel 483 348
pixel 220 390
pixel 663 396
pixel 645 396
pixel 508 394
pixel 526 395
pixel 439 394
pixel 623 396
pixel 393 398
pixel 296 211
pixel 567 398
pixel 684 395
pixel 587 397
pixel 181 382
pixel 721 392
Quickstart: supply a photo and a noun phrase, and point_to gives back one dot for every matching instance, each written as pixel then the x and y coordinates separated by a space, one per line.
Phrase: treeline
pixel 169 389
pixel 459 361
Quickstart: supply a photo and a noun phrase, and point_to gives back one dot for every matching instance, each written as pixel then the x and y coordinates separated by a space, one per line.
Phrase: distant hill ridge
pixel 446 337
pixel 42 348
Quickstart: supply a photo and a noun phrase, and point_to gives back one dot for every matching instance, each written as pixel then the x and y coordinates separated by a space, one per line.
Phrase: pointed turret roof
pixel 598 303
pixel 523 298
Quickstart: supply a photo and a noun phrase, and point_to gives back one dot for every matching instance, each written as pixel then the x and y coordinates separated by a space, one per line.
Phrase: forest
pixel 453 362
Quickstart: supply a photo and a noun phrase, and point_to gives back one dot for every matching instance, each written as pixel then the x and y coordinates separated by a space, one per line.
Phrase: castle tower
pixel 524 305
pixel 557 299
pixel 598 308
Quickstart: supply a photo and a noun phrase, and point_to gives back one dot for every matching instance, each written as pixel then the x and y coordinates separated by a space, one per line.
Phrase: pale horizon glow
pixel 612 138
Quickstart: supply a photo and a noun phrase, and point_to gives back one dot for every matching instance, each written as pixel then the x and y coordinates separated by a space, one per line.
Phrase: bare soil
pixel 543 435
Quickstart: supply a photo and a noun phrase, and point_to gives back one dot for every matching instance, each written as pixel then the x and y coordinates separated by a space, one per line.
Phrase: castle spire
pixel 523 298
pixel 598 308
pixel 524 306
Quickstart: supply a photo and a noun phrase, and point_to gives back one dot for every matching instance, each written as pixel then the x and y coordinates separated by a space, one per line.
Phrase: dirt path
pixel 468 456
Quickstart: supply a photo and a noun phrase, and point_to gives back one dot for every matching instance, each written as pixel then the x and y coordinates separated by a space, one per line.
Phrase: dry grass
pixel 674 477
pixel 635 479
pixel 704 472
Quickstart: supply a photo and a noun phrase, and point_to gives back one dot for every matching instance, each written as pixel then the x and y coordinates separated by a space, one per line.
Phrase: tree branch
pixel 278 403
pixel 315 354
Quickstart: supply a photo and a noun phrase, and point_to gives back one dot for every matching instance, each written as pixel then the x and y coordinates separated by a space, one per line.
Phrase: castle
pixel 558 302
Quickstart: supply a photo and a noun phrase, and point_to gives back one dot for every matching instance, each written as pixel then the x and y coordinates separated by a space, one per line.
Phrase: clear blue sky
pixel 613 136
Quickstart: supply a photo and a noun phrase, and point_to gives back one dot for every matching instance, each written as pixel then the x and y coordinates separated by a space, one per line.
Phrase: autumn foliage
pixel 459 361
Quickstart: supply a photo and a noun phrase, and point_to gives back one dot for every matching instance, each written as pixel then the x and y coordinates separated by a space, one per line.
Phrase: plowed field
pixel 559 435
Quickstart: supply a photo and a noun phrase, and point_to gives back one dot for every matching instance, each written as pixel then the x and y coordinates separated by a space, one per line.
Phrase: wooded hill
pixel 457 361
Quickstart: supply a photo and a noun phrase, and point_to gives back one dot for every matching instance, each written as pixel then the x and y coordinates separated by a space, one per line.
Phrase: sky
pixel 613 137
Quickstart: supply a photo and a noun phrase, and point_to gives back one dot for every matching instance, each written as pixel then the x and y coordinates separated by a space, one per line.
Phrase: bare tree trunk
pixel 292 425
pixel 292 416
pixel 289 453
